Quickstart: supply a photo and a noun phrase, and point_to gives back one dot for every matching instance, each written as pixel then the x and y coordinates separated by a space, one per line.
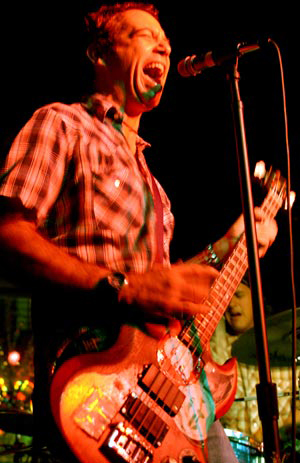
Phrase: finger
pixel 266 234
pixel 273 229
pixel 185 309
pixel 199 283
pixel 258 214
pixel 197 272
pixel 262 251
pixel 190 309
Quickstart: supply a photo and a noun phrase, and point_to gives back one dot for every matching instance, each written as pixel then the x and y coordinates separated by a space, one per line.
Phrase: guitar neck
pixel 228 280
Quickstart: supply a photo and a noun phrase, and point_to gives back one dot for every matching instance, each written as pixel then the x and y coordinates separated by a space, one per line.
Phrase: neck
pixel 132 116
pixel 130 130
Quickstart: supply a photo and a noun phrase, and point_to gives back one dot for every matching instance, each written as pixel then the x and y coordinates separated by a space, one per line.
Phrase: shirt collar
pixel 103 109
pixel 99 106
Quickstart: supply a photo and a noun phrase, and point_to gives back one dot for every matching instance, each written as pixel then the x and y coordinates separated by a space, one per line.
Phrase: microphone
pixel 193 65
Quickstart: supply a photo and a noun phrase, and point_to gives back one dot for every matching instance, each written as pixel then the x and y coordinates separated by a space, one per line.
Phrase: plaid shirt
pixel 92 196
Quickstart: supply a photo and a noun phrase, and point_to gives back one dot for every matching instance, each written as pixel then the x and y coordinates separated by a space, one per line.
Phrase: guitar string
pixel 147 395
pixel 269 208
pixel 188 352
pixel 208 401
pixel 244 266
pixel 203 320
pixel 243 269
pixel 209 322
pixel 145 398
pixel 147 414
pixel 158 396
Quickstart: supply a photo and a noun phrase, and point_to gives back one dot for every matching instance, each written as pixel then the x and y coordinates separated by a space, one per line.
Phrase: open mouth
pixel 155 71
pixel 234 314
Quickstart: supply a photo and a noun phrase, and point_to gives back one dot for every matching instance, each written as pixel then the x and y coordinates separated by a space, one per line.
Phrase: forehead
pixel 244 287
pixel 136 19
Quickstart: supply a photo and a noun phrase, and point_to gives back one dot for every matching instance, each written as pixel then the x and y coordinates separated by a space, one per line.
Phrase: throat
pixel 130 134
pixel 131 141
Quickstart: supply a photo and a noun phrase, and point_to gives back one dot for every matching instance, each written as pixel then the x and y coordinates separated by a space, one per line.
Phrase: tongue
pixel 154 73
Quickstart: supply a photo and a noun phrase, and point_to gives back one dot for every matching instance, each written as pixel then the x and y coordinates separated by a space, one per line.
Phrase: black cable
pixel 291 254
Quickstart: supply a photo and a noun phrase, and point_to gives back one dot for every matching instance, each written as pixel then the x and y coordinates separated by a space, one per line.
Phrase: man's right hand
pixel 177 291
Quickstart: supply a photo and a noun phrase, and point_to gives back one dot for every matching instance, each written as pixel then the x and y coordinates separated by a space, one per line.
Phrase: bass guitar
pixel 143 400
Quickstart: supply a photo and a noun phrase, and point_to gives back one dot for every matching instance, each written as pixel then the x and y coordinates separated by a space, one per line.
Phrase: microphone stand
pixel 266 390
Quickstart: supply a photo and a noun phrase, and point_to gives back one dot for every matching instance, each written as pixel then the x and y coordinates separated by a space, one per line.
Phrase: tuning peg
pixel 292 200
pixel 260 170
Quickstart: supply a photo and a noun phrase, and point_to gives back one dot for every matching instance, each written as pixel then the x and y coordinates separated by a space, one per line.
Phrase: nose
pixel 233 303
pixel 163 47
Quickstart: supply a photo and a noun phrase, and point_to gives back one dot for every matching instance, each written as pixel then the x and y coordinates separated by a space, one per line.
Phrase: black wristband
pixel 107 289
pixel 117 280
pixel 105 293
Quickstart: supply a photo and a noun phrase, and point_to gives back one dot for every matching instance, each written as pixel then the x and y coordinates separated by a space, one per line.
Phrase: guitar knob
pixel 188 456
pixel 190 459
pixel 169 460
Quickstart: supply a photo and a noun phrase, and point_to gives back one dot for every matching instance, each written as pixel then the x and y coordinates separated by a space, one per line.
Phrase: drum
pixel 246 449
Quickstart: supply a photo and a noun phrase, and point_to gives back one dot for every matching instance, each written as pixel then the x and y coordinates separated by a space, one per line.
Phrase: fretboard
pixel 200 328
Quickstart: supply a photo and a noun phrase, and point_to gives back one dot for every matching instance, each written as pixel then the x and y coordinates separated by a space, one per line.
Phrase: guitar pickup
pixel 122 445
pixel 162 390
pixel 144 420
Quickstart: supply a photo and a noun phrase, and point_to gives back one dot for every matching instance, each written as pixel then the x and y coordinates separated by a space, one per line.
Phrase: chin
pixel 153 102
pixel 152 105
pixel 151 96
pixel 237 329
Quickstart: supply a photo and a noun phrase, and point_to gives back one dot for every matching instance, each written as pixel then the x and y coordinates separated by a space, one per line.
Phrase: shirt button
pixel 117 183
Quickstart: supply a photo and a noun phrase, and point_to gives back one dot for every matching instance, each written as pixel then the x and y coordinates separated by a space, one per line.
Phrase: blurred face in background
pixel 239 314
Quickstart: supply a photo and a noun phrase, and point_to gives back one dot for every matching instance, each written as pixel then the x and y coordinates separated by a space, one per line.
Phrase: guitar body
pixel 124 404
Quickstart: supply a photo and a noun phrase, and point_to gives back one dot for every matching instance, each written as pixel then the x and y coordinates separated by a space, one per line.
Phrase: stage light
pixel 14 358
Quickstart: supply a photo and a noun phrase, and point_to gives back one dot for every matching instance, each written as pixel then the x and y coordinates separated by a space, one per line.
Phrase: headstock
pixel 273 180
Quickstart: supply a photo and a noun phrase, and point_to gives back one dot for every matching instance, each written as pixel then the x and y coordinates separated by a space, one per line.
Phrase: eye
pixel 238 294
pixel 144 33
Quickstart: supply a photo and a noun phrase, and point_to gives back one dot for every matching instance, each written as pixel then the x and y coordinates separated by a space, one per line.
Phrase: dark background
pixel 193 148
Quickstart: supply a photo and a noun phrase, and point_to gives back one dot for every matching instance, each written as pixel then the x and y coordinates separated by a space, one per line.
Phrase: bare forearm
pixel 28 252
pixel 266 233
pixel 160 293
pixel 214 253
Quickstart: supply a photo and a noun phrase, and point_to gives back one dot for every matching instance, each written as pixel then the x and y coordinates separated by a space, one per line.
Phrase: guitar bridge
pixel 162 390
pixel 145 420
pixel 123 445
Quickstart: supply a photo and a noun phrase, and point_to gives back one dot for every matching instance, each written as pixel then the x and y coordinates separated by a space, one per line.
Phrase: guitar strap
pixel 158 207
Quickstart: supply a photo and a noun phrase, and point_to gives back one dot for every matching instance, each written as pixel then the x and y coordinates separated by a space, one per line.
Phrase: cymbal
pixel 279 395
pixel 279 334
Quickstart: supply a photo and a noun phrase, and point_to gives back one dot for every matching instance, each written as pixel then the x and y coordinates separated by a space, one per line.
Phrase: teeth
pixel 157 67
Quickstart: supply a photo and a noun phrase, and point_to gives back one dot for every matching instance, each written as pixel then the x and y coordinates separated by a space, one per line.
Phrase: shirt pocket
pixel 118 200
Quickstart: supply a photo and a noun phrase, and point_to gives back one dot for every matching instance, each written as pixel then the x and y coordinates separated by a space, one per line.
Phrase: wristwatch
pixel 117 280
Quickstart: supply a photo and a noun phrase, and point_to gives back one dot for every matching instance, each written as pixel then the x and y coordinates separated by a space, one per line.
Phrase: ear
pixel 93 53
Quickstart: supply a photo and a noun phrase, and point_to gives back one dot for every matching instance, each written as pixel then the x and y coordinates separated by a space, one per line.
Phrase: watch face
pixel 116 280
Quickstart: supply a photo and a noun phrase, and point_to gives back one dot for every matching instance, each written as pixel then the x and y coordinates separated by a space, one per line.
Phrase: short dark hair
pixel 104 23
pixel 246 279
